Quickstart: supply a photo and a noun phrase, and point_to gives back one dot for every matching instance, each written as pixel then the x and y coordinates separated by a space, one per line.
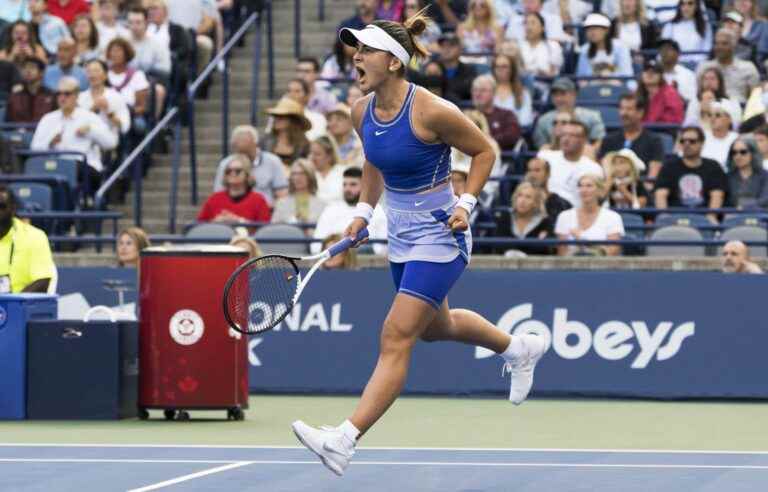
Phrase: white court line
pixel 107 460
pixel 238 464
pixel 191 476
pixel 391 448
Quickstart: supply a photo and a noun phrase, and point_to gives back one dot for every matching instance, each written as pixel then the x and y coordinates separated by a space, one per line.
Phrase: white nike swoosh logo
pixel 380 132
pixel 419 203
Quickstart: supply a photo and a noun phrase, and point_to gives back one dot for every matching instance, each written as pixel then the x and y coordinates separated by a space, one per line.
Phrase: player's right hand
pixel 357 225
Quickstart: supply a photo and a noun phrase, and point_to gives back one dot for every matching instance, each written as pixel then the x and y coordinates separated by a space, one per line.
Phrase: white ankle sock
pixel 349 430
pixel 515 348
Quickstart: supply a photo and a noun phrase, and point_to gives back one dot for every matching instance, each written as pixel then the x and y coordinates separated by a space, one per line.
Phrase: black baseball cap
pixel 669 42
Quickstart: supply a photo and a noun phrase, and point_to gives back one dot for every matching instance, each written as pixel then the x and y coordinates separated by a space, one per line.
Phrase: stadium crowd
pixel 599 111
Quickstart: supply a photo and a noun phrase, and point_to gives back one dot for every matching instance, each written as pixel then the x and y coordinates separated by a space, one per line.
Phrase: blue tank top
pixel 407 163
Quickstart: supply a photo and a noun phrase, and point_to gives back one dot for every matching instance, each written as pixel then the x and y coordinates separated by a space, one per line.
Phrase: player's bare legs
pixel 407 319
pixel 462 325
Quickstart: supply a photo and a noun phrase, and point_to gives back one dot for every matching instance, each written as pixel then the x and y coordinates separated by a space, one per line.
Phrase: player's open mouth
pixel 360 74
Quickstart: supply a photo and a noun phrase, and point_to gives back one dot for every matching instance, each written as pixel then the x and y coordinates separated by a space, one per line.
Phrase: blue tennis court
pixel 137 468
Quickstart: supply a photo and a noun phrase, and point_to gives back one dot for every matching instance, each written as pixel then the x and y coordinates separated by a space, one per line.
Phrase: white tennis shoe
pixel 329 443
pixel 521 368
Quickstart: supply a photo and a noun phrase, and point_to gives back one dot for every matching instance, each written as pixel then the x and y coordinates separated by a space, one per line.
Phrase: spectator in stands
pixel 644 143
pixel 538 173
pixel 104 101
pixel 353 94
pixel 86 38
pixel 433 79
pixel 131 83
pixel 50 29
pixel 130 242
pixel 503 123
pixel 734 22
pixel 720 136
pixel 449 12
pixel 459 74
pixel 195 15
pixel 681 78
pixel 755 110
pixel 570 163
pixel 430 36
pixel 248 244
pixel 339 64
pixel 761 139
pixel 571 12
pixel 151 55
pixel 622 171
pixel 510 93
pixel 662 102
pixel 515 20
pixel 25 255
pixel 298 90
pixel 329 173
pixel 736 259
pixel 346 260
pixel 302 204
pixel 177 40
pixel 67 10
pixel 602 55
pixel 460 160
pixel 480 32
pixel 632 26
pixel 341 129
pixel 740 75
pixel 71 128
pixel 561 120
pixel 267 171
pixel 590 221
pixel 691 180
pixel 711 88
pixel 690 29
pixel 320 99
pixel 526 220
pixel 753 29
pixel 563 92
pixel 747 179
pixel 541 57
pixel 108 25
pixel 14 10
pixel 21 44
pixel 391 10
pixel 366 13
pixel 33 101
pixel 337 215
pixel 238 201
pixel 65 66
pixel 287 138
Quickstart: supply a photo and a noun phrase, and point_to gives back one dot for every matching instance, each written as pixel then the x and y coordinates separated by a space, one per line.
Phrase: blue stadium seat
pixel 696 221
pixel 600 94
pixel 633 229
pixel 667 141
pixel 676 233
pixel 59 166
pixel 750 219
pixel 609 114
pixel 33 197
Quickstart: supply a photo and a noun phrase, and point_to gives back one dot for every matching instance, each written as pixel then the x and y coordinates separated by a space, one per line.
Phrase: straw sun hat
pixel 289 107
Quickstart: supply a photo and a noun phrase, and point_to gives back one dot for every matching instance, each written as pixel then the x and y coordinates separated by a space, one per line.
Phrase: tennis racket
pixel 262 291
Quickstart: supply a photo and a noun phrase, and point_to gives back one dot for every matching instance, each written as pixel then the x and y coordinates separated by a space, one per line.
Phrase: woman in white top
pixel 590 221
pixel 86 37
pixel 632 27
pixel 510 92
pixel 691 30
pixel 711 85
pixel 602 55
pixel 103 100
pixel 540 56
pixel 301 205
pixel 480 32
pixel 132 84
pixel 329 174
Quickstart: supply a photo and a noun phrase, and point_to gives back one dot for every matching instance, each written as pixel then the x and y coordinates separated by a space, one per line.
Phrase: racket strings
pixel 262 294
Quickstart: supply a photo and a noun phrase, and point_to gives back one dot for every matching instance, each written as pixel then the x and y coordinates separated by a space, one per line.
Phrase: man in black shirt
pixel 538 171
pixel 692 181
pixel 644 143
pixel 459 75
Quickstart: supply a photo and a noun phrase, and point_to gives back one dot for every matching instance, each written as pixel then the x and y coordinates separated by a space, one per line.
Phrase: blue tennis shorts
pixel 426 280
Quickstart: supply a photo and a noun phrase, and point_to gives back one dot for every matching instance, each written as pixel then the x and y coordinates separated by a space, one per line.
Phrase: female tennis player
pixel 407 134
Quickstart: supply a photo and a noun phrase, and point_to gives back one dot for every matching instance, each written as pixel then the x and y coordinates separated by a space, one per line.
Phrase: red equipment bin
pixel 189 358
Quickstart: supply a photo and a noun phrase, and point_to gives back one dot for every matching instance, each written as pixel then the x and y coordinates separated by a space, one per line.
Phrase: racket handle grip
pixel 347 243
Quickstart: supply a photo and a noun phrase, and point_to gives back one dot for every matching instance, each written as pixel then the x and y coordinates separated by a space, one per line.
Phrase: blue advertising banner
pixel 629 334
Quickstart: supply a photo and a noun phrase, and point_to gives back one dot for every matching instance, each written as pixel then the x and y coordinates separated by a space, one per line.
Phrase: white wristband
pixel 467 201
pixel 364 211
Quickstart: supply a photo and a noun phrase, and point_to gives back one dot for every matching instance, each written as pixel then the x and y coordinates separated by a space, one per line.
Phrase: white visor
pixel 376 38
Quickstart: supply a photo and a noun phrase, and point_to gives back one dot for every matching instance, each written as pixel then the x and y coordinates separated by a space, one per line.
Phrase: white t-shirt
pixel 330 188
pixel 629 34
pixel 137 83
pixel 336 217
pixel 541 57
pixel 607 222
pixel 564 174
pixel 115 103
pixel 108 33
pixel 684 80
pixel 717 148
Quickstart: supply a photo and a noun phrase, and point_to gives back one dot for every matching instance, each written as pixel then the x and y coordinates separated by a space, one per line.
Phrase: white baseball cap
pixel 597 20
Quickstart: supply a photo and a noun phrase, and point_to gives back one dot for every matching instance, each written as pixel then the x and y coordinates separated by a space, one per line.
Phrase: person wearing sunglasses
pixel 691 180
pixel 721 134
pixel 747 180
pixel 26 262
pixel 237 202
